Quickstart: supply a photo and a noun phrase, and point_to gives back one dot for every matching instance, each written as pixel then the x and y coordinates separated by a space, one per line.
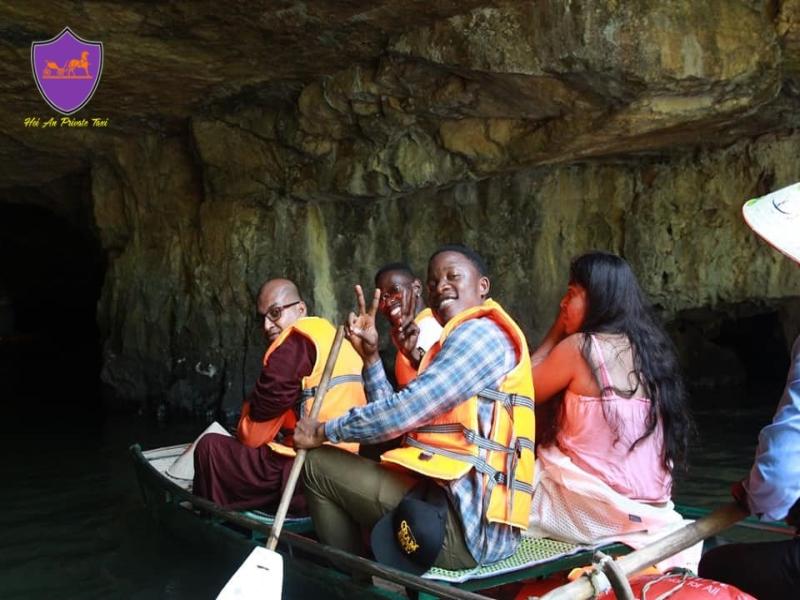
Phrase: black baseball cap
pixel 411 536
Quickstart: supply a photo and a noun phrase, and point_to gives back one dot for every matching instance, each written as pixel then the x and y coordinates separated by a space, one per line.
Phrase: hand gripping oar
pixel 261 574
pixel 625 566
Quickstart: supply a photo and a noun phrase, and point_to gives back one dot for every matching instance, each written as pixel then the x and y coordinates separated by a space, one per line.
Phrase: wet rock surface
pixel 321 140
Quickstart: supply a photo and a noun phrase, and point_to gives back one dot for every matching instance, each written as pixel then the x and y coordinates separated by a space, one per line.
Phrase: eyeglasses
pixel 274 313
pixel 393 292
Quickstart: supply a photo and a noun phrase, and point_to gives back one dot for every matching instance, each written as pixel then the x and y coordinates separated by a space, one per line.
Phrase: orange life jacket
pixel 404 372
pixel 344 392
pixel 450 446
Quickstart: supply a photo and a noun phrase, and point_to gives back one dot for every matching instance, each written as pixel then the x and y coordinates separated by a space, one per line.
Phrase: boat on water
pixel 308 564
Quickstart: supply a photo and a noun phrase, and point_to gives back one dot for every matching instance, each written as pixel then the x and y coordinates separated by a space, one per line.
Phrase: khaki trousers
pixel 347 494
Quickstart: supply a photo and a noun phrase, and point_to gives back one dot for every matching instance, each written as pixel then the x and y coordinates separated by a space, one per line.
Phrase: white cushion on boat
pixel 183 467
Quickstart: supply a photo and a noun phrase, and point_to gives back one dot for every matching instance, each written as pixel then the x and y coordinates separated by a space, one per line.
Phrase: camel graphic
pixel 68 71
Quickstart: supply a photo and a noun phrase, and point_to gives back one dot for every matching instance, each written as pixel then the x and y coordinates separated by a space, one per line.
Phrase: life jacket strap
pixel 513 453
pixel 507 399
pixel 497 477
pixel 309 393
pixel 473 437
pixel 338 380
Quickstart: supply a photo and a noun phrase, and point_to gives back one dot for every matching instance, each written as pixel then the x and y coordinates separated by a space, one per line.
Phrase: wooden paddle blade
pixel 260 576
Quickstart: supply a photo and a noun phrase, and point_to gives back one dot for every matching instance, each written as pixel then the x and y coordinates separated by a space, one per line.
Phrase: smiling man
pixel 468 420
pixel 249 470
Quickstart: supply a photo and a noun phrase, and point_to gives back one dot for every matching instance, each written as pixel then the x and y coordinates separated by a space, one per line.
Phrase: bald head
pixel 280 305
pixel 284 288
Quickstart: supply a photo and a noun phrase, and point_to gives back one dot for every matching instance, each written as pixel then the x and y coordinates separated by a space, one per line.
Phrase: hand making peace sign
pixel 360 330
pixel 406 335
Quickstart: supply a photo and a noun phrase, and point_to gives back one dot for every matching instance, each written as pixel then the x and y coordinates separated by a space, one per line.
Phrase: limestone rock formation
pixel 320 140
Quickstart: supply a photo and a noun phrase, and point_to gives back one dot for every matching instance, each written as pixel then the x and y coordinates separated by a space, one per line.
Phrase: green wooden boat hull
pixel 307 569
pixel 307 563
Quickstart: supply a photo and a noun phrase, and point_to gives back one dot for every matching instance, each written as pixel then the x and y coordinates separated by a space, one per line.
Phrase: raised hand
pixel 360 329
pixel 559 327
pixel 406 335
pixel 557 332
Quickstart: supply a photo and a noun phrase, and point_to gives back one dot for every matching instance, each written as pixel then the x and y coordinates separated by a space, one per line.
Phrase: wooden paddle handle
pixel 297 466
pixel 711 524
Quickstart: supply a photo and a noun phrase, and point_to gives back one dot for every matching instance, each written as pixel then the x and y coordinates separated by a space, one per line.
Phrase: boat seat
pixel 295 524
pixel 534 557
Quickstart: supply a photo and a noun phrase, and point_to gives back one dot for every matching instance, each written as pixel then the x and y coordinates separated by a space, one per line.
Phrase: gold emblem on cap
pixel 406 539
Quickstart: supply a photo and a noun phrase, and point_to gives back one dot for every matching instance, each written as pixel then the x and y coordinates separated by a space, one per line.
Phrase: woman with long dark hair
pixel 623 426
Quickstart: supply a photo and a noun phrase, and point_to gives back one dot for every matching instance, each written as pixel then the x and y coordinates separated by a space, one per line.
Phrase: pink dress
pixel 590 490
pixel 597 433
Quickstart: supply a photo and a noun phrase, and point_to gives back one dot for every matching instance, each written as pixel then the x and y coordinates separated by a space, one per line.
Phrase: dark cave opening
pixel 51 274
pixel 759 344
pixel 734 356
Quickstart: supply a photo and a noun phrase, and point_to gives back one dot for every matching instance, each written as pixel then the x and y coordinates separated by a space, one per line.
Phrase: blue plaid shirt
pixel 476 355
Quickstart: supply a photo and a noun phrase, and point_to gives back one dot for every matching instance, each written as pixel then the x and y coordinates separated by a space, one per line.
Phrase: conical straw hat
pixel 776 218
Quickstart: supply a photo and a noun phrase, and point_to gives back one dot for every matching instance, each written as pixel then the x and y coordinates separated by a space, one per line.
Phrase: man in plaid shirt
pixel 346 493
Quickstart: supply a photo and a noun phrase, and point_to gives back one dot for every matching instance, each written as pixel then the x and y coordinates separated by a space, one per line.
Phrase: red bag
pixel 649 587
pixel 684 588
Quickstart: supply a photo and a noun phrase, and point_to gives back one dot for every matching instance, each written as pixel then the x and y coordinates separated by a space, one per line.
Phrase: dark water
pixel 723 453
pixel 73 525
pixel 72 521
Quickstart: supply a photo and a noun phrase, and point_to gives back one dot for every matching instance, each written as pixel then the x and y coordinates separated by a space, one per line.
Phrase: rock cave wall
pixel 188 258
pixel 532 131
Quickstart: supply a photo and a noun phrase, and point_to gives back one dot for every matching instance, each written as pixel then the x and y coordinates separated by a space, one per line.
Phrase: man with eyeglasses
pixel 249 470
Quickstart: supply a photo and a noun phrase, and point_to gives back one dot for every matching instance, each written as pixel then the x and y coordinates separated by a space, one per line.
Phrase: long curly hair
pixel 617 305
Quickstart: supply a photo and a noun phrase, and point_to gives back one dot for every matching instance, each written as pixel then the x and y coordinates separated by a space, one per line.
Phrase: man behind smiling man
pixel 456 415
pixel 250 470
pixel 413 327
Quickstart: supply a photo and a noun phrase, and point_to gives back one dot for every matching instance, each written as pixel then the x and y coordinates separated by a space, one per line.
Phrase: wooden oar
pixel 261 574
pixel 297 466
pixel 720 519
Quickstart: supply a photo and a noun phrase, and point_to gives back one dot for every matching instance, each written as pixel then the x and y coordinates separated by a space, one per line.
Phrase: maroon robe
pixel 238 477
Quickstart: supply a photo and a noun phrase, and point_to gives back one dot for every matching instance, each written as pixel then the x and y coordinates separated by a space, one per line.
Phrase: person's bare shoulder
pixel 574 341
pixel 568 350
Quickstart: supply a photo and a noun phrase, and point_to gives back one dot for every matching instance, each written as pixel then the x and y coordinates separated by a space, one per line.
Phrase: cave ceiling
pixel 165 62
pixel 253 139
pixel 495 86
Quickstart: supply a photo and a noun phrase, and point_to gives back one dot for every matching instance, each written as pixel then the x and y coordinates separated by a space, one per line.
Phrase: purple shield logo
pixel 67 70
